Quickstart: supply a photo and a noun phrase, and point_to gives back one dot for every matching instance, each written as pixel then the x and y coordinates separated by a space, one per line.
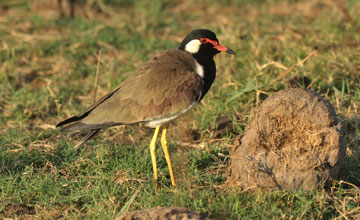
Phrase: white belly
pixel 161 121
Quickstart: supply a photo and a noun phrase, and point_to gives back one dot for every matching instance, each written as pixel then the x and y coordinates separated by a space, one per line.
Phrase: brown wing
pixel 163 86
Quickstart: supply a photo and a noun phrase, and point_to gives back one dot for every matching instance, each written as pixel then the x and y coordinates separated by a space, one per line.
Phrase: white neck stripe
pixel 199 69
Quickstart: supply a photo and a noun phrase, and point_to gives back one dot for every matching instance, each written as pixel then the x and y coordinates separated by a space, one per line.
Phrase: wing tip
pixel 67 121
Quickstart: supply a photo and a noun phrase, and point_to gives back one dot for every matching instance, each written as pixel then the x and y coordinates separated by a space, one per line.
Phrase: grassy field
pixel 48 68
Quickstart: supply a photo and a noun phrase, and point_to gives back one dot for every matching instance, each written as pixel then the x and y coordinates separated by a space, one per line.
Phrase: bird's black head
pixel 203 42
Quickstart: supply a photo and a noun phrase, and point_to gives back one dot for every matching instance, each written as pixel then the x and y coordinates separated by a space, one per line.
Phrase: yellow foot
pixel 152 153
pixel 166 152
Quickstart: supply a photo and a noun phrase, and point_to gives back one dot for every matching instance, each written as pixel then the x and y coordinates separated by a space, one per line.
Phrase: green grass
pixel 47 73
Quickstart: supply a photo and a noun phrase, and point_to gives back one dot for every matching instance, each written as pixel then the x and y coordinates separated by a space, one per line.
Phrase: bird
pixel 158 92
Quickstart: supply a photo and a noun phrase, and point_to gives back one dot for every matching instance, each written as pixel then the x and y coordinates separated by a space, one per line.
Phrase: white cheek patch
pixel 193 46
pixel 199 69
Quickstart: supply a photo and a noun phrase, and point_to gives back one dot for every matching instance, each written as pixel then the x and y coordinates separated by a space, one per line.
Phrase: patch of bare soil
pixel 11 210
pixel 162 213
pixel 295 141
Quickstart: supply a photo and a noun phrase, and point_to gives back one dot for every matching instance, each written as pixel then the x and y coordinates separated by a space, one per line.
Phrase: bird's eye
pixel 203 40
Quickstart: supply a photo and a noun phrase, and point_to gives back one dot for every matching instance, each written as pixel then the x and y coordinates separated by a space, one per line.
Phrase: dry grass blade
pixel 128 203
pixel 98 57
pixel 283 74
pixel 341 205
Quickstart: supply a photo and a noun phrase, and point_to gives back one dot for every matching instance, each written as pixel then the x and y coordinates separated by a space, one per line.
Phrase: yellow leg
pixel 152 152
pixel 166 152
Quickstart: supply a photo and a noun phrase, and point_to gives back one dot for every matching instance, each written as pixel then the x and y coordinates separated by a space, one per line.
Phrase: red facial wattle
pixel 216 45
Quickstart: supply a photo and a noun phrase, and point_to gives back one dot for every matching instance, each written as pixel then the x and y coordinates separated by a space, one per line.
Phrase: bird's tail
pixel 86 138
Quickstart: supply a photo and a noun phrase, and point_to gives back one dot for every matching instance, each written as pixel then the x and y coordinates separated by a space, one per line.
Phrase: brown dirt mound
pixel 295 141
pixel 162 213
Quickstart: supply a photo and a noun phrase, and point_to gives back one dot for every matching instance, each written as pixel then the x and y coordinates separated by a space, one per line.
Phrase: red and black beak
pixel 222 48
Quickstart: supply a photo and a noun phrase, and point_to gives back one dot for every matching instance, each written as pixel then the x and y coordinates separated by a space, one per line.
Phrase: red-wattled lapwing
pixel 161 90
